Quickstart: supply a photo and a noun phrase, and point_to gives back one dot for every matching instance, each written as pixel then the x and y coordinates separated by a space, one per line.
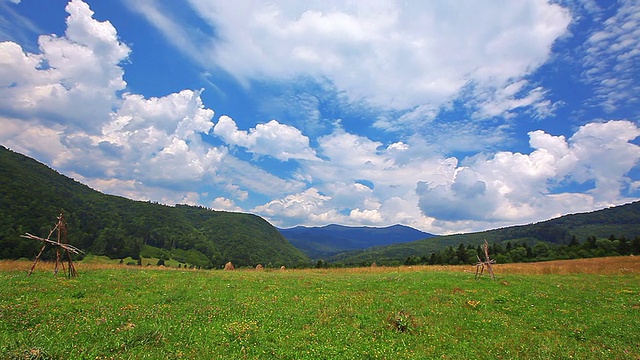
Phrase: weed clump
pixel 401 321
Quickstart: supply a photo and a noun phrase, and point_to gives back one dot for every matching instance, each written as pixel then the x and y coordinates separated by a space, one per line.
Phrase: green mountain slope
pixel 32 195
pixel 620 221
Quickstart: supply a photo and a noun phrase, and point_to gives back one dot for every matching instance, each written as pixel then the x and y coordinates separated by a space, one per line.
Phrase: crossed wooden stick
pixel 487 262
pixel 61 227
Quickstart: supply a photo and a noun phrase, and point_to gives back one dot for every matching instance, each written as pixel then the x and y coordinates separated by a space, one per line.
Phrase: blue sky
pixel 444 116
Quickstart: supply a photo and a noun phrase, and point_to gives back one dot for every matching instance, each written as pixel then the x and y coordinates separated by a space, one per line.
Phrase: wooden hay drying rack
pixel 59 243
pixel 487 262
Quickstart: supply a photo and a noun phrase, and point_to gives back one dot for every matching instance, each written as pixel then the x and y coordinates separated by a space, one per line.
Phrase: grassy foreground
pixel 582 310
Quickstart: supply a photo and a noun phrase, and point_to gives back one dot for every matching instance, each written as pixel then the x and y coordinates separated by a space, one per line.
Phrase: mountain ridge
pixel 328 240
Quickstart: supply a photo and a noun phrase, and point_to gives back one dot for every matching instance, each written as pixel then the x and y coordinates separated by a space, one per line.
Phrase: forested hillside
pixel 608 232
pixel 32 195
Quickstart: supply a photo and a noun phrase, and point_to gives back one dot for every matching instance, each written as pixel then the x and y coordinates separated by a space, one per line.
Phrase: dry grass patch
pixel 597 266
pixel 617 265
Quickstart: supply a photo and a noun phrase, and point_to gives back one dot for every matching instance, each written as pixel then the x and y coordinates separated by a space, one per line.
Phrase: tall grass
pixel 600 266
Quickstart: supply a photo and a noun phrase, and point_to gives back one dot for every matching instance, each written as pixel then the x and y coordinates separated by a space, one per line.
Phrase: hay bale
pixel 229 266
pixel 259 267
pixel 374 265
pixel 283 268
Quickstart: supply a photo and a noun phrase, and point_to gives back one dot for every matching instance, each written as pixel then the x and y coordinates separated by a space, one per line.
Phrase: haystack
pixel 229 266
pixel 259 267
pixel 283 268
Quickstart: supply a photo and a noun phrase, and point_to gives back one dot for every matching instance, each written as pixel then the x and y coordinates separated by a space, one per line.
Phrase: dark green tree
pixel 518 254
pixel 590 244
pixel 623 247
pixel 462 254
pixel 574 241
pixel 541 250
pixel 635 246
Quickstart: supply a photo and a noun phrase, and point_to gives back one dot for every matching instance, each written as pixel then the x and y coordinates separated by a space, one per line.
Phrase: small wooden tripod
pixel 487 262
pixel 60 243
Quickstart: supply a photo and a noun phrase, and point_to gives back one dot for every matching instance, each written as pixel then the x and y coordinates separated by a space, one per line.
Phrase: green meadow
pixel 128 312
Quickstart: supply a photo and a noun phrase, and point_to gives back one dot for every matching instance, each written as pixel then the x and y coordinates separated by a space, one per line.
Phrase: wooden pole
pixel 37 257
pixel 488 260
pixel 72 269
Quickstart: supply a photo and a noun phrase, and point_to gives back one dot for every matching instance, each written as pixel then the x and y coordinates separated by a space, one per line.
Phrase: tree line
pixel 510 252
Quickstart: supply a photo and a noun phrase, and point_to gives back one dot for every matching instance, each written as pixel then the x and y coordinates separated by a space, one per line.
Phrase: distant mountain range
pixel 325 241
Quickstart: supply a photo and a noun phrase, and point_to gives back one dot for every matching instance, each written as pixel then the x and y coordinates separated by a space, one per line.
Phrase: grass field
pixel 581 309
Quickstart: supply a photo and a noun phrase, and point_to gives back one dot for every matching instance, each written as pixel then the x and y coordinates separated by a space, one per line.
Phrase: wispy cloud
pixel 389 55
pixel 188 39
pixel 612 58
pixel 13 26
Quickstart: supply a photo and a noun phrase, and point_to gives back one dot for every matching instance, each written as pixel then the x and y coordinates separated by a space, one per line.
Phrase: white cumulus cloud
pixel 63 106
pixel 74 78
pixel 521 187
pixel 280 141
